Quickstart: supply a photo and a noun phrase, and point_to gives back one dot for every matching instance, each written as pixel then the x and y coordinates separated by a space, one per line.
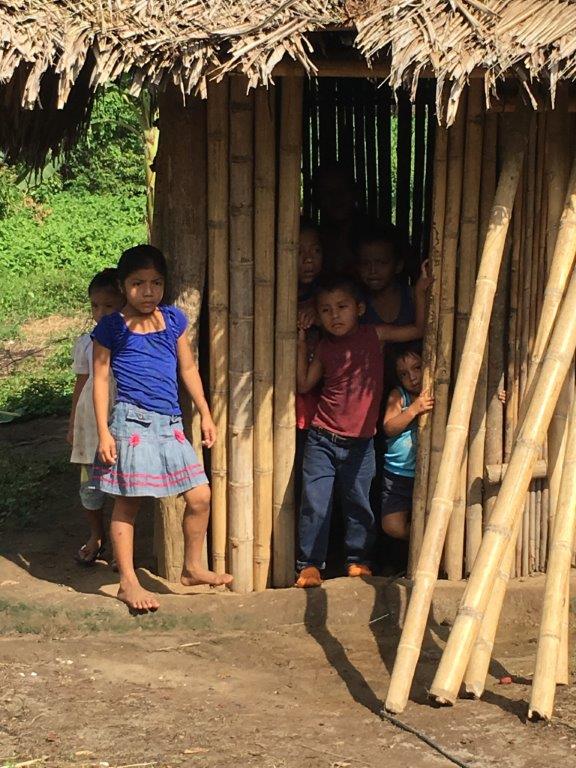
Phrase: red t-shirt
pixel 352 385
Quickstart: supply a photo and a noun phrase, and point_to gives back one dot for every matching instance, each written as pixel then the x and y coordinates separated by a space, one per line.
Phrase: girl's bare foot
pixel 194 577
pixel 309 577
pixel 136 597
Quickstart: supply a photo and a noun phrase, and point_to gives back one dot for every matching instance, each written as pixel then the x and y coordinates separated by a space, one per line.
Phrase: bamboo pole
pixel 285 355
pixel 480 174
pixel 456 433
pixel 495 473
pixel 556 593
pixel 495 378
pixel 508 508
pixel 403 161
pixel 264 257
pixel 218 279
pixel 454 546
pixel 429 347
pixel 447 293
pixel 241 356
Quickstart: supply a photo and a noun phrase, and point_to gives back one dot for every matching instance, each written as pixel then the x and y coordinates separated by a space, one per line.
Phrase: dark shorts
pixel 397 491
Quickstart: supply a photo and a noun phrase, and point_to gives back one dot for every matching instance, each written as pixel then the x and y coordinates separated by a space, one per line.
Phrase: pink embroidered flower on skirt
pixel 179 435
pixel 134 440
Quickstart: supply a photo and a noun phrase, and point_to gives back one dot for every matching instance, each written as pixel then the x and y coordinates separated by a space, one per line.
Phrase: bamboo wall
pixel 259 151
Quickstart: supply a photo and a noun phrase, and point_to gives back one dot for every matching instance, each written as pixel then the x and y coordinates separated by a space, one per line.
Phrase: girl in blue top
pixel 405 404
pixel 143 450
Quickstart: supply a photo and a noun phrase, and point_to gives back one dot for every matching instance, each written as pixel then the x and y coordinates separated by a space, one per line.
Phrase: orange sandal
pixel 358 569
pixel 309 577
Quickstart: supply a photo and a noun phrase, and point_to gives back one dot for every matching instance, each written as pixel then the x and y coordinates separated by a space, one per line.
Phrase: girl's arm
pixel 79 384
pixel 191 379
pixel 308 374
pixel 101 396
pixel 398 333
pixel 397 420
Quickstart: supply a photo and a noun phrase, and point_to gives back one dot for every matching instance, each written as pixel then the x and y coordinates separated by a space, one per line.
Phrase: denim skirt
pixel 154 458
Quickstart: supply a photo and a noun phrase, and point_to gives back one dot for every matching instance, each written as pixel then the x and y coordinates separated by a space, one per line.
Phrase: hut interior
pixel 458 121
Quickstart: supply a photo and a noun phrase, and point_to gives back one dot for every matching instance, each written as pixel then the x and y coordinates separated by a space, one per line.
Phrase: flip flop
pixel 89 561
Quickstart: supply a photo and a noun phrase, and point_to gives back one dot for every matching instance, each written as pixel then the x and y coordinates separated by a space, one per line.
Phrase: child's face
pixel 104 301
pixel 144 289
pixel 309 256
pixel 409 372
pixel 339 311
pixel 378 265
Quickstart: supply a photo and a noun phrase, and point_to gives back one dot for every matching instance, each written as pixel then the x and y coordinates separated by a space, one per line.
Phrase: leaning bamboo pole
pixel 241 357
pixel 429 347
pixel 561 261
pixel 285 334
pixel 217 198
pixel 447 293
pixel 264 257
pixel 508 508
pixel 457 431
pixel 556 593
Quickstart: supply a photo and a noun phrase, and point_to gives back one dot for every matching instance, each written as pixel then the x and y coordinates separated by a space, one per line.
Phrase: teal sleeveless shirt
pixel 400 456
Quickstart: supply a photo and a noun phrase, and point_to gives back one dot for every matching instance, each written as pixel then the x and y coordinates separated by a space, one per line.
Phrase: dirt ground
pixel 282 679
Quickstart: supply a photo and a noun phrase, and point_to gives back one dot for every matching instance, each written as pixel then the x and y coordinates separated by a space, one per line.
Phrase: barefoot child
pixel 143 451
pixel 339 449
pixel 105 298
pixel 405 404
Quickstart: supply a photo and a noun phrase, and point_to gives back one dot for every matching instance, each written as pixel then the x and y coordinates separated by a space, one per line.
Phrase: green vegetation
pixel 56 232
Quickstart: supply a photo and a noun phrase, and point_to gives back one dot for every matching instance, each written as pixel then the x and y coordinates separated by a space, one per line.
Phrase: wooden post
pixel 506 515
pixel 457 430
pixel 285 355
pixel 556 592
pixel 264 257
pixel 429 347
pixel 218 282
pixel 184 242
pixel 241 358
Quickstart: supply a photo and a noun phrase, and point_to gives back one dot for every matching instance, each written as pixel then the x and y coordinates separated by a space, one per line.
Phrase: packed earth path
pixel 281 679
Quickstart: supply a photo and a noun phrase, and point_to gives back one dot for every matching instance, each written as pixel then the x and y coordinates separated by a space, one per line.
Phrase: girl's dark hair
pixel 141 257
pixel 345 283
pixel 105 280
pixel 368 232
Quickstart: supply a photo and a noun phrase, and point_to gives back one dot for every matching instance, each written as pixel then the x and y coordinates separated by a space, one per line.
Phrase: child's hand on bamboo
pixel 306 317
pixel 425 279
pixel 502 396
pixel 424 403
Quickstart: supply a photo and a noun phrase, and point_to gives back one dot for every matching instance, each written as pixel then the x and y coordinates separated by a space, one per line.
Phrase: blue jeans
pixel 350 467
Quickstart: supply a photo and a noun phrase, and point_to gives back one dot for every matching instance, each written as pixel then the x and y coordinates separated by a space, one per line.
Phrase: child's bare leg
pixel 194 526
pixel 95 519
pixel 397 525
pixel 122 536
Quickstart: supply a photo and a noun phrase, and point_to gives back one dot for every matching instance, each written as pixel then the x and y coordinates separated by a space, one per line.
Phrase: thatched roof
pixel 55 53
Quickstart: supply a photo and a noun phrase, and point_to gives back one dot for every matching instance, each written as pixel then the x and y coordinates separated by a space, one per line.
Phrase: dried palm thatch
pixel 55 53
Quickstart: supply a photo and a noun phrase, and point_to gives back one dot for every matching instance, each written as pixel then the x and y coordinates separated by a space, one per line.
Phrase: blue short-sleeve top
pixel 144 364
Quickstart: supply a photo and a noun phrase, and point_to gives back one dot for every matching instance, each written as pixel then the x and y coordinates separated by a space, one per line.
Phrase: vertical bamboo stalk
pixel 457 430
pixel 285 355
pixel 384 153
pixel 493 443
pixel 218 281
pixel 371 151
pixel 454 547
pixel 556 593
pixel 419 168
pixel 264 257
pixel 359 142
pixel 508 508
pixel 447 293
pixel 429 347
pixel 403 162
pixel 241 357
pixel 478 171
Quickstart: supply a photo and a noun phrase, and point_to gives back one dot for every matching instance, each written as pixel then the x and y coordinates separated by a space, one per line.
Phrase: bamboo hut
pixel 470 155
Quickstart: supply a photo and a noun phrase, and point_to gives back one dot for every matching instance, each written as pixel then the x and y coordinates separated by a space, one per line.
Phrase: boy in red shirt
pixel 339 448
